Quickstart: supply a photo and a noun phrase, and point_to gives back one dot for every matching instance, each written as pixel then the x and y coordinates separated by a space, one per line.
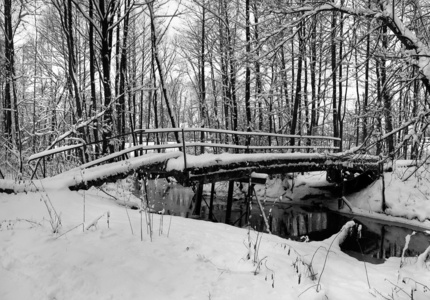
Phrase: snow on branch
pixel 386 14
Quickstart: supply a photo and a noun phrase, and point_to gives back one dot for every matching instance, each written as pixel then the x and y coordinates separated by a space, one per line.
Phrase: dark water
pixel 378 240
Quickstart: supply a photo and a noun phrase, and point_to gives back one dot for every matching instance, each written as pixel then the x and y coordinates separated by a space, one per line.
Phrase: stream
pixel 379 240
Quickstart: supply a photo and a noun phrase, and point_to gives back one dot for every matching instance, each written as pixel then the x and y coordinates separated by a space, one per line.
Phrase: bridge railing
pixel 219 140
pixel 193 141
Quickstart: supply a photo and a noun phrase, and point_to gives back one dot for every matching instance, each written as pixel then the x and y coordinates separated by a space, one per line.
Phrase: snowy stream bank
pixel 183 259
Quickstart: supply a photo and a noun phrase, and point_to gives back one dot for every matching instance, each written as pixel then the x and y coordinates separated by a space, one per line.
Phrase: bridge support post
pixel 198 198
pixel 229 202
pixel 248 201
pixel 381 175
pixel 211 203
pixel 44 168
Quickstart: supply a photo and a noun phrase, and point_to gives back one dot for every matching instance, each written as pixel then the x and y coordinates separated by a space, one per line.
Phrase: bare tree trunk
pixel 122 76
pixel 285 86
pixel 215 93
pixel 9 67
pixel 334 78
pixel 159 66
pixel 92 73
pixel 248 69
pixel 224 74
pixel 11 102
pixel 386 94
pixel 378 115
pixel 313 63
pixel 414 148
pixel 153 97
pixel 258 82
pixel 203 79
pixel 339 110
pixel 105 53
pixel 366 84
pixel 298 93
pixel 232 71
pixel 65 12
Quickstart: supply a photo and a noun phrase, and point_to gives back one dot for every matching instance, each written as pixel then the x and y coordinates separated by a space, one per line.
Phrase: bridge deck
pixel 209 168
pixel 204 168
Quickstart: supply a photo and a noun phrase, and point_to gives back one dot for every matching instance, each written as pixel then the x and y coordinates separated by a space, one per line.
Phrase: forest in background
pixel 76 71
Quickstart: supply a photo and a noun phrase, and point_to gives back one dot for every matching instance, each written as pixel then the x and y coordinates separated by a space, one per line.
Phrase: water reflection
pixel 378 241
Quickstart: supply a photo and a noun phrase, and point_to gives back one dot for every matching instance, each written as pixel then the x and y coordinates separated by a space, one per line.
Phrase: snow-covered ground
pixel 186 259
pixel 407 193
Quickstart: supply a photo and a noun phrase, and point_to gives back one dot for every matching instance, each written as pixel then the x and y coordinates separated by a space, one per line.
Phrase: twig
pixel 381 294
pixel 416 282
pixel 55 222
pixel 99 188
pixel 29 221
pixel 170 222
pixel 316 253
pixel 125 206
pixel 160 227
pixel 317 285
pixel 326 257
pixel 262 211
pixel 69 230
pixel 396 286
pixel 417 167
pixel 129 221
pixel 259 264
pixel 83 213
pixel 365 267
pixel 49 199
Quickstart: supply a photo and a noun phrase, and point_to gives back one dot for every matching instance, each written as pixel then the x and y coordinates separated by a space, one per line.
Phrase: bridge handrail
pixel 42 155
pixel 233 146
pixel 247 133
pixel 54 151
pixel 126 151
pixel 176 145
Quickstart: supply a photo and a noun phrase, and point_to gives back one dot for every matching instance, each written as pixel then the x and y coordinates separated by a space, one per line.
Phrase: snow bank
pixel 409 198
pixel 340 237
pixel 187 259
pixel 424 259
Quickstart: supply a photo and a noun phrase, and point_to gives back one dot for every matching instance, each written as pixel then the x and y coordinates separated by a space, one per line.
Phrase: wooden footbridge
pixel 201 156
pixel 208 155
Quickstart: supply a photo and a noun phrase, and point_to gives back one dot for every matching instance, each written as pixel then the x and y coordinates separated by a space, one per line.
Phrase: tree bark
pixel 106 20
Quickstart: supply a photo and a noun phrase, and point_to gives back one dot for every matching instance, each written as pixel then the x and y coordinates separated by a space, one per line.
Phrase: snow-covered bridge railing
pixel 194 140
